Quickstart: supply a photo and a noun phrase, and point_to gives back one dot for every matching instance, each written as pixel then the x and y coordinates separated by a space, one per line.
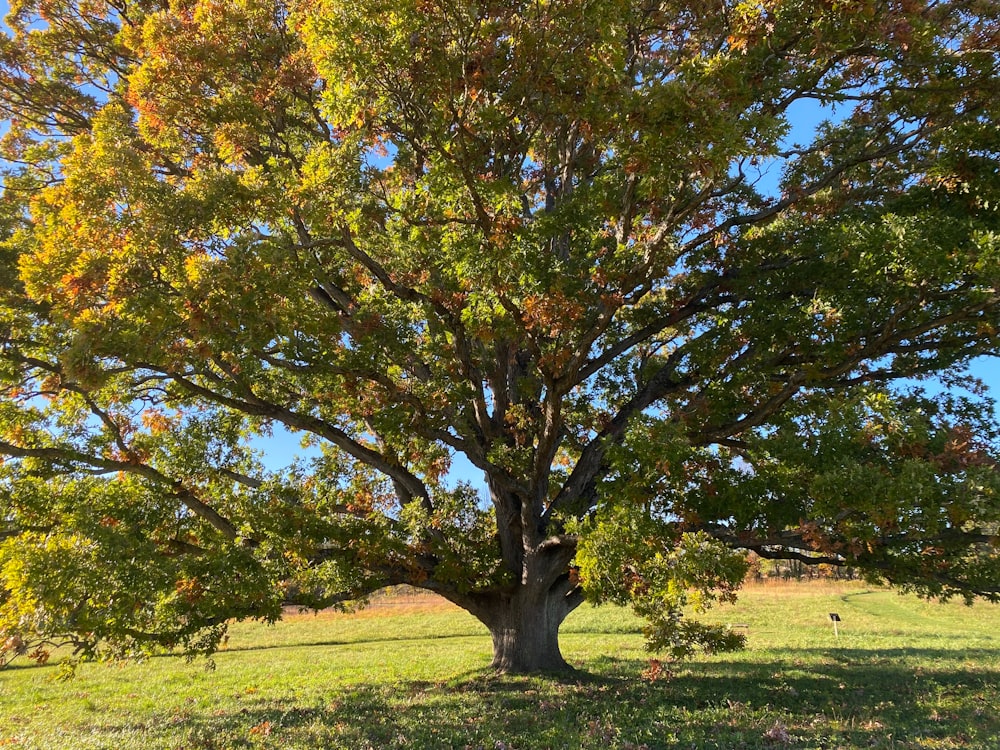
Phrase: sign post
pixel 835 618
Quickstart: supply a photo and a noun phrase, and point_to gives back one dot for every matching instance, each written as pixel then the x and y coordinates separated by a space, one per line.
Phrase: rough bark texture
pixel 525 629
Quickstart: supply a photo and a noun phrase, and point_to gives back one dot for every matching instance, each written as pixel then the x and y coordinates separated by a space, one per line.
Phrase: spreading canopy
pixel 578 244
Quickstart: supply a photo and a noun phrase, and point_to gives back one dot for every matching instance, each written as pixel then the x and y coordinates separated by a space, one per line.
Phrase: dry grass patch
pixel 398 602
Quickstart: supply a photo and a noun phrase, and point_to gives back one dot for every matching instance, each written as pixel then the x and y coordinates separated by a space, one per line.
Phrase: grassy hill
pixel 410 672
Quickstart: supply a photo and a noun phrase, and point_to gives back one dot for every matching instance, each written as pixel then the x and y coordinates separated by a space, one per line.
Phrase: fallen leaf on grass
pixel 778 733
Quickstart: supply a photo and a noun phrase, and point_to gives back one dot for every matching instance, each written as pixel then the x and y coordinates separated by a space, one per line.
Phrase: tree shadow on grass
pixel 807 698
pixel 322 642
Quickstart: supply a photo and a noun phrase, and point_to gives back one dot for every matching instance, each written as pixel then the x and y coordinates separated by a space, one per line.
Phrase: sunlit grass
pixel 412 672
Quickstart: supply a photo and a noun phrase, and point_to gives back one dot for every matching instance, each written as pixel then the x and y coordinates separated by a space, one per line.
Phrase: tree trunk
pixel 525 630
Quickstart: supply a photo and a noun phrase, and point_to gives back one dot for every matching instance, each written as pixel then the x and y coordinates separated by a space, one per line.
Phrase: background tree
pixel 571 242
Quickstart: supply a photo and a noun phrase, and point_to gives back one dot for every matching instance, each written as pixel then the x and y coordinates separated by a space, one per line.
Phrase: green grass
pixel 412 674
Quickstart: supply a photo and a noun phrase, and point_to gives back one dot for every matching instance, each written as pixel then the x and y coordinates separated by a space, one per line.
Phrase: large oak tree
pixel 572 241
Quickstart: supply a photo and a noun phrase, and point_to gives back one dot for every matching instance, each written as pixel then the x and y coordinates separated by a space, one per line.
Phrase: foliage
pixel 574 243
pixel 630 560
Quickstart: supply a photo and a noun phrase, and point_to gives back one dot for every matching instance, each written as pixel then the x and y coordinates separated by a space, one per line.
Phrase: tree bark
pixel 525 628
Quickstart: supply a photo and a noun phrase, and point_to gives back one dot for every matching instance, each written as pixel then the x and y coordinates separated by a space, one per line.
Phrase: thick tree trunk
pixel 524 618
pixel 525 630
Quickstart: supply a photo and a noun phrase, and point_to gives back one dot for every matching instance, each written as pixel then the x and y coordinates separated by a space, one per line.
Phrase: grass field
pixel 411 673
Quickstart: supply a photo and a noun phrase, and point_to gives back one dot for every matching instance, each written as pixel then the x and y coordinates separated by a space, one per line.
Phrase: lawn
pixel 411 673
